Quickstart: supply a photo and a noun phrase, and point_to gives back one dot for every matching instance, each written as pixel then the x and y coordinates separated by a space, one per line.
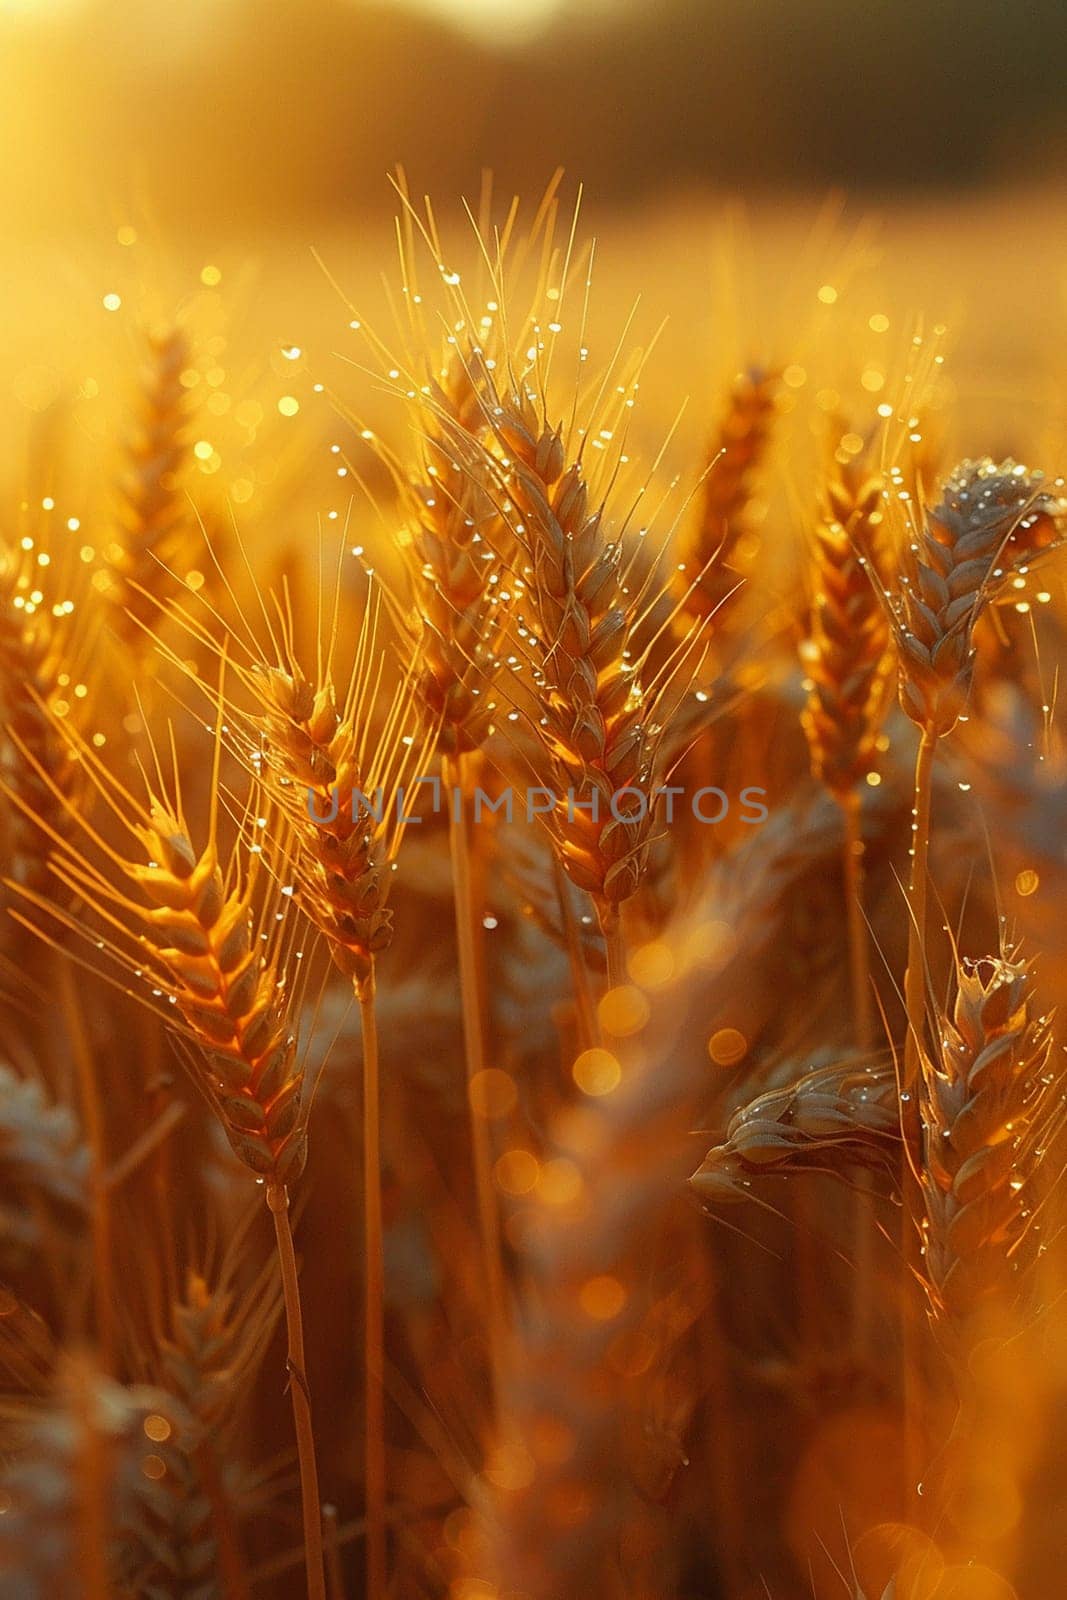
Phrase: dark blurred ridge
pixel 261 107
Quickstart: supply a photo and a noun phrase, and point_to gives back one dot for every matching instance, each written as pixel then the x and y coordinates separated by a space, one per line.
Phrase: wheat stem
pixel 859 952
pixel 334 1575
pixel 910 1122
pixel 614 944
pixel 278 1202
pixel 374 1289
pixel 100 1197
pixel 92 1508
pixel 724 1447
pixel 583 999
pixel 233 1579
pixel 915 976
pixel 468 946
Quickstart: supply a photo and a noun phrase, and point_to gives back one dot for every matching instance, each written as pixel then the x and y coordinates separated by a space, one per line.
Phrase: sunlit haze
pixel 498 21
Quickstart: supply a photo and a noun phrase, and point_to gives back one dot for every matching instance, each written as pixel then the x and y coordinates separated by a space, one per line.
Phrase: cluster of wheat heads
pixel 606 906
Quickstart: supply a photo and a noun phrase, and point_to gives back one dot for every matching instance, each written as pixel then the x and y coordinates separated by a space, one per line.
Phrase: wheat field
pixel 532 795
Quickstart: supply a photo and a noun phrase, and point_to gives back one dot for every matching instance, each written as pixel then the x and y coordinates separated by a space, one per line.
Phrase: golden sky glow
pixel 495 20
pixel 41 8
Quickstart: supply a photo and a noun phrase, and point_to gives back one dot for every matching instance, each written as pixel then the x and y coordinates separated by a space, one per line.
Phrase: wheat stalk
pixel 337 772
pixel 989 521
pixel 324 760
pixel 195 935
pixel 457 628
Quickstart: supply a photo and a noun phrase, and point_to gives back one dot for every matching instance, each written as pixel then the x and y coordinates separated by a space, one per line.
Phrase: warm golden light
pixel 533 775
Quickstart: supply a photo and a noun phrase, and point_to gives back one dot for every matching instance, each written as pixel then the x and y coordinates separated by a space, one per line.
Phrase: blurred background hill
pixel 256 110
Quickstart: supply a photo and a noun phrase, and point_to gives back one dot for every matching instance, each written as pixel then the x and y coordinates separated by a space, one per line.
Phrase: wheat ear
pixel 38 771
pixel 152 511
pixel 453 526
pixel 198 931
pixel 735 457
pixel 846 660
pixel 600 715
pixel 987 1109
pixel 839 1117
